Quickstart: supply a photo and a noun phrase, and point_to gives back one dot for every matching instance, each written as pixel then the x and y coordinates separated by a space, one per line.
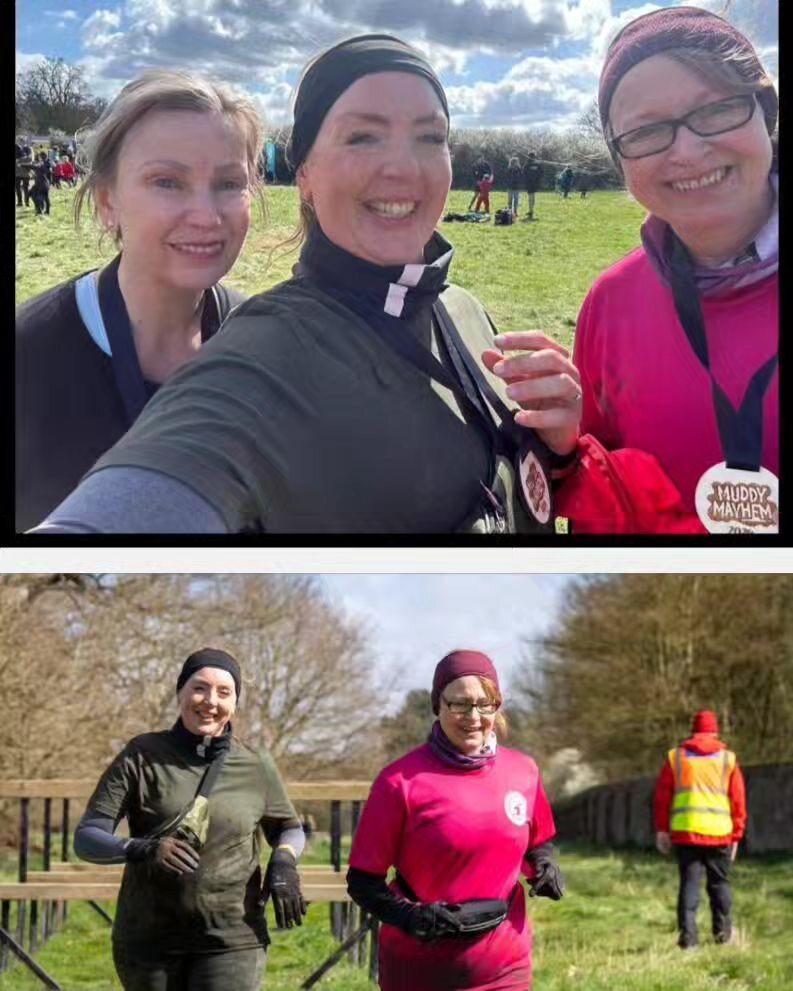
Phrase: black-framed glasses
pixel 484 707
pixel 706 121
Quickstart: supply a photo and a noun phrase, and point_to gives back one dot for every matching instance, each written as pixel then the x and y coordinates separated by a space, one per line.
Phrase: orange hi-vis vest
pixel 701 803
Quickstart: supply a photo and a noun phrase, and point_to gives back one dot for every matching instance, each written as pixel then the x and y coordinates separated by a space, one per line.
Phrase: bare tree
pixel 51 93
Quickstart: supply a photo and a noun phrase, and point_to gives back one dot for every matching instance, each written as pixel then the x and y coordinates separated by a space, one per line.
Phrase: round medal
pixel 731 500
pixel 534 486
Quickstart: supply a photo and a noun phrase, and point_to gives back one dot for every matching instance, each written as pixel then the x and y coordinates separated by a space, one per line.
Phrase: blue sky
pixel 505 63
pixel 415 619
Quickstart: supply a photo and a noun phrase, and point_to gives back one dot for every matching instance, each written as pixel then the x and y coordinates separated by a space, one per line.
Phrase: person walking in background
pixel 40 190
pixel 532 177
pixel 700 811
pixel 514 174
pixel 566 177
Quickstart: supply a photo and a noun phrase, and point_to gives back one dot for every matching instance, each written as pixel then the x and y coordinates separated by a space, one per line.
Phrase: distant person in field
pixel 40 187
pixel 514 177
pixel 484 185
pixel 565 181
pixel 532 179
pixel 171 177
pixel 198 802
pixel 584 184
pixel 667 364
pixel 700 814
pixel 68 173
pixel 337 402
pixel 460 818
pixel 481 169
pixel 22 177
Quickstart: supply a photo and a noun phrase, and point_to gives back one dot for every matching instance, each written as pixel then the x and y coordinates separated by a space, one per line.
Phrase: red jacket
pixel 622 491
pixel 665 787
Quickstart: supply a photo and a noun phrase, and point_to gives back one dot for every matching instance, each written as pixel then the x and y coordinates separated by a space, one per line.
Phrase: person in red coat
pixel 700 811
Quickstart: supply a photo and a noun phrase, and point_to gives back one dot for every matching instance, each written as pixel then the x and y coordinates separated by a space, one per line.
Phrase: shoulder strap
pixel 222 301
pixel 87 298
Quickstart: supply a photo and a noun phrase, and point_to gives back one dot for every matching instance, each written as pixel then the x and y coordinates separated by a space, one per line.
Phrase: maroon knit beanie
pixel 458 664
pixel 680 27
pixel 705 722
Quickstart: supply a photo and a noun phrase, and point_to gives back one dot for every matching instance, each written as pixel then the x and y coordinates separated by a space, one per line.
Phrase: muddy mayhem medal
pixel 730 500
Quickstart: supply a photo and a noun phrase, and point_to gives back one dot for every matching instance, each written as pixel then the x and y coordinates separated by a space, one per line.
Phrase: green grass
pixel 529 275
pixel 613 931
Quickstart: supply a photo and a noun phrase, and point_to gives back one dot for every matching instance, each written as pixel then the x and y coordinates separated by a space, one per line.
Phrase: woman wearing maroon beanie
pixel 460 818
pixel 676 344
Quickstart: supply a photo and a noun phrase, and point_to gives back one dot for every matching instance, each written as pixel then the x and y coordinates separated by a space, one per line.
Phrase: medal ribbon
pixel 740 430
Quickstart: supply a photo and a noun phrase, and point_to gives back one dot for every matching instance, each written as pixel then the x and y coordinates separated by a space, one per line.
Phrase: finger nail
pixel 498 368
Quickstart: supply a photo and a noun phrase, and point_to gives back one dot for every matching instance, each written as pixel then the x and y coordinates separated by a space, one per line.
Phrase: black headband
pixel 336 69
pixel 209 657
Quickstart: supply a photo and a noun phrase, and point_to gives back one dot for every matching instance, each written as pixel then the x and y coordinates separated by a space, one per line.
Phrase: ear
pixel 303 182
pixel 105 200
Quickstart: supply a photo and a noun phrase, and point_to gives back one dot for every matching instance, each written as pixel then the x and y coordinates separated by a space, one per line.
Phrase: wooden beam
pixel 69 891
pixel 354 791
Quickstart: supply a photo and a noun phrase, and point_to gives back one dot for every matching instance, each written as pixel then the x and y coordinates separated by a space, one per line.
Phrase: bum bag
pixel 476 915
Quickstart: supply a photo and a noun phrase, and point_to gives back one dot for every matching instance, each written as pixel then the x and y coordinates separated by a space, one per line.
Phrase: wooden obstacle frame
pixel 41 897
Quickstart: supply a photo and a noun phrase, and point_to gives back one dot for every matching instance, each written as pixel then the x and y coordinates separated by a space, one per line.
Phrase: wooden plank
pixel 312 892
pixel 81 788
pixel 112 875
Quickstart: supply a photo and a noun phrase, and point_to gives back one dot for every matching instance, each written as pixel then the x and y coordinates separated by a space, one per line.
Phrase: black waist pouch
pixel 476 916
pixel 479 915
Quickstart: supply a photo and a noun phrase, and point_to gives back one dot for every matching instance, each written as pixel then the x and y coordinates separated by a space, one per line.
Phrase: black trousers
pixel 41 199
pixel 715 860
pixel 21 186
pixel 236 970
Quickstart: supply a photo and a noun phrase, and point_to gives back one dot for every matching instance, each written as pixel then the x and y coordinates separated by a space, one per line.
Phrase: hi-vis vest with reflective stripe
pixel 701 803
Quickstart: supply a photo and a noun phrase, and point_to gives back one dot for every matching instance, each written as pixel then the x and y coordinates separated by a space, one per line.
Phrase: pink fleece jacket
pixel 644 387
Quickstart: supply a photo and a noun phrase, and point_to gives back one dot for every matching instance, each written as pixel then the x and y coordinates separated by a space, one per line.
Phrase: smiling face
pixel 181 197
pixel 207 701
pixel 379 171
pixel 468 733
pixel 699 185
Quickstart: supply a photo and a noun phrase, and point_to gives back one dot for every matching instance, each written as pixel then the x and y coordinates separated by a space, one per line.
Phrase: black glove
pixel 167 852
pixel 548 881
pixel 430 920
pixel 282 883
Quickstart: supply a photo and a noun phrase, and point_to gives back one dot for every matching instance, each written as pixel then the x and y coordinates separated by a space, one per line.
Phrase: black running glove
pixel 282 884
pixel 548 881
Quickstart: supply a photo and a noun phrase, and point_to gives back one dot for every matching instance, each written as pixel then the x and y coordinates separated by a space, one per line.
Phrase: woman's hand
pixel 175 856
pixel 544 381
pixel 282 883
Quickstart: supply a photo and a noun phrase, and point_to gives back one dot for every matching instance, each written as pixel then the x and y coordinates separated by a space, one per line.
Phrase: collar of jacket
pixel 400 291
pixel 205 747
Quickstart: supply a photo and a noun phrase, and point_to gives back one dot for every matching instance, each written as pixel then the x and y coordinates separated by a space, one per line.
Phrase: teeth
pixel 706 180
pixel 199 249
pixel 393 209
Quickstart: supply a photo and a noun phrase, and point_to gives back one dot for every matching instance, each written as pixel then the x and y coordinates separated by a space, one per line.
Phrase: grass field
pixel 529 275
pixel 614 931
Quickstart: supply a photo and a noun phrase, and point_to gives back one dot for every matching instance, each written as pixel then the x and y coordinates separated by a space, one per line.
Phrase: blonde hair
pixel 161 89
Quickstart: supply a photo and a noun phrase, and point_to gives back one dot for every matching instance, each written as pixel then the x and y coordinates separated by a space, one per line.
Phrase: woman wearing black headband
pixel 190 912
pixel 349 398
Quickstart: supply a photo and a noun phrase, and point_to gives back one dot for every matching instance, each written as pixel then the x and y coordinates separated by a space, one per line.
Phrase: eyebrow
pixel 181 167
pixel 436 117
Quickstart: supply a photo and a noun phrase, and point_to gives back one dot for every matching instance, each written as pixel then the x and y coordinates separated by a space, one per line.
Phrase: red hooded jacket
pixel 703 743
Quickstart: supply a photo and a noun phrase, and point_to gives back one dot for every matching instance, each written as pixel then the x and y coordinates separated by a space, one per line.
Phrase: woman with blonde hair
pixel 460 818
pixel 171 171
